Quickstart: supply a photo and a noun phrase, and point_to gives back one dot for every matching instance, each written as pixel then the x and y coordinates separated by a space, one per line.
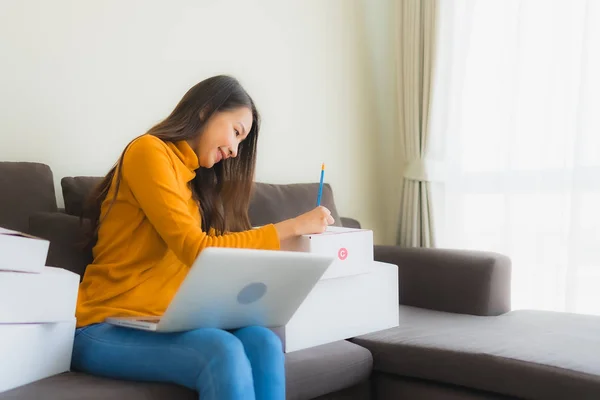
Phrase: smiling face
pixel 221 136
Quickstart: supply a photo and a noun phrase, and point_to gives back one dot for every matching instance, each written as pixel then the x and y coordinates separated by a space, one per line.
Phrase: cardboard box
pixel 22 252
pixel 343 308
pixel 49 296
pixel 352 248
pixel 31 352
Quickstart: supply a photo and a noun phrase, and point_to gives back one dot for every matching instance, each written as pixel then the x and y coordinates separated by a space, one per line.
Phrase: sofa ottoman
pixel 521 354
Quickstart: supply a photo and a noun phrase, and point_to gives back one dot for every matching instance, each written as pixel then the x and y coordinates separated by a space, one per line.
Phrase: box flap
pixel 9 232
pixel 4 231
pixel 336 230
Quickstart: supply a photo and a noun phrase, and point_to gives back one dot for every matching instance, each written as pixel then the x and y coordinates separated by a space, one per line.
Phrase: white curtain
pixel 416 49
pixel 518 108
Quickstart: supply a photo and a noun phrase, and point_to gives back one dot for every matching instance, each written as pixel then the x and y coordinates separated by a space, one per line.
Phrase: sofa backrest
pixel 69 247
pixel 75 190
pixel 270 203
pixel 25 188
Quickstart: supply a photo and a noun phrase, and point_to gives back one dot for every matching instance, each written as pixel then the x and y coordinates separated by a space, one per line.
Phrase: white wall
pixel 79 79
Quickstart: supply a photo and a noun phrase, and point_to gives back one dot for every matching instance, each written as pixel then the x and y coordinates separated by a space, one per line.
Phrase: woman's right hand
pixel 312 222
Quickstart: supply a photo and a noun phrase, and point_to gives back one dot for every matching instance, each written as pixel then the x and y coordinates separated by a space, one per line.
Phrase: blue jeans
pixel 244 365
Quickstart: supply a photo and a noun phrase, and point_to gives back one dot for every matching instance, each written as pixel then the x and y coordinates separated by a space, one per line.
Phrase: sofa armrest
pixel 458 281
pixel 350 223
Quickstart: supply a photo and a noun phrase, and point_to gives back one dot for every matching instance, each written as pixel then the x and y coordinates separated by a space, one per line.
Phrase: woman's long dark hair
pixel 222 191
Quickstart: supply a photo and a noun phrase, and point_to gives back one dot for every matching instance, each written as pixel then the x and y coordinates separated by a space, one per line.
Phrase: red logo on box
pixel 342 254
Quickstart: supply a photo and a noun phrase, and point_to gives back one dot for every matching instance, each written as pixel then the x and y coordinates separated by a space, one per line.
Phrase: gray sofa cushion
pixel 362 391
pixel 25 188
pixel 76 190
pixel 458 281
pixel 75 386
pixel 68 242
pixel 270 203
pixel 392 387
pixel 324 369
pixel 273 203
pixel 348 222
pixel 310 373
pixel 527 354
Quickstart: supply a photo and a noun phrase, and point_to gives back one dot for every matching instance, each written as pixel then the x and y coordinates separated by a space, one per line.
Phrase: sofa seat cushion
pixel 75 385
pixel 527 354
pixel 325 369
pixel 309 373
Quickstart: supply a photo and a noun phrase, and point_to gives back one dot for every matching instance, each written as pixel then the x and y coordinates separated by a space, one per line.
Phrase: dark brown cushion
pixel 76 190
pixel 273 203
pixel 76 386
pixel 393 387
pixel 324 369
pixel 458 281
pixel 525 354
pixel 270 203
pixel 67 238
pixel 25 188
pixel 348 222
pixel 309 373
pixel 362 391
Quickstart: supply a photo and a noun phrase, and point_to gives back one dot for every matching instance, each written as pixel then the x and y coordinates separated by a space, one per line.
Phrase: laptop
pixel 234 288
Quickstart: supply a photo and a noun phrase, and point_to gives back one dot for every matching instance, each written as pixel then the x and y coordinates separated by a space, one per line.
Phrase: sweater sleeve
pixel 150 174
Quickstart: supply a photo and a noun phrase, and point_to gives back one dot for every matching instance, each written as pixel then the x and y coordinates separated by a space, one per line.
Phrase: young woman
pixel 183 186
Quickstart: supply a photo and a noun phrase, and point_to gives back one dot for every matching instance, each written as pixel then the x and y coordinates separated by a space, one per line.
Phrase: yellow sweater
pixel 152 235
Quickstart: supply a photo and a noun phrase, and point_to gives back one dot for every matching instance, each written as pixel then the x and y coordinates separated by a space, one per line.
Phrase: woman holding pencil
pixel 181 187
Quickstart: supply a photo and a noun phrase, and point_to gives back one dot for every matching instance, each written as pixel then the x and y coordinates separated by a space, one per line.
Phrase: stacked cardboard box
pixel 356 295
pixel 37 311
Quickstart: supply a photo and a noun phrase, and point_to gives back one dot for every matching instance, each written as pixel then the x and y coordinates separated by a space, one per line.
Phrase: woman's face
pixel 223 133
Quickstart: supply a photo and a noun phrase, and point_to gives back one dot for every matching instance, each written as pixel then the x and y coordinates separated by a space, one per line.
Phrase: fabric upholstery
pixel 25 188
pixel 460 281
pixel 76 190
pixel 310 373
pixel 67 236
pixel 273 203
pixel 76 386
pixel 362 391
pixel 324 369
pixel 526 354
pixel 391 387
pixel 350 223
pixel 270 203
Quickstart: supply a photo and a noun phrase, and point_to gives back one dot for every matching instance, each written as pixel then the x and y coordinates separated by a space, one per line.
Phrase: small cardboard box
pixel 352 249
pixel 31 352
pixel 49 296
pixel 22 252
pixel 343 308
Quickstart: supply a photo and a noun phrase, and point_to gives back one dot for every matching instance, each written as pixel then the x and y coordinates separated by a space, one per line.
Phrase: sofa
pixel 457 339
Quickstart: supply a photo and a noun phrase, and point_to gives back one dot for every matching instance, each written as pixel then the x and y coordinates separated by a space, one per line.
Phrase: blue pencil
pixel 321 185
